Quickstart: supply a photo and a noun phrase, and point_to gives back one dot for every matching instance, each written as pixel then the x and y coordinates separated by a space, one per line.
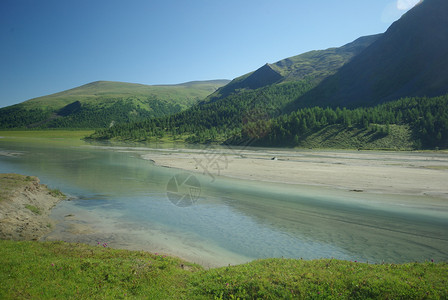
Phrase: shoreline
pixel 394 173
pixel 417 174
pixel 25 207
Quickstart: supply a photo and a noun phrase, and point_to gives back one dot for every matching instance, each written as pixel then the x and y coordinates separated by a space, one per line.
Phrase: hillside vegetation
pixel 35 270
pixel 306 69
pixel 346 97
pixel 101 104
pixel 385 91
pixel 409 123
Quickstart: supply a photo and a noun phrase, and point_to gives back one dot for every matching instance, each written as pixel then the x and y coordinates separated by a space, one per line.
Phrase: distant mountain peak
pixel 263 76
pixel 312 66
pixel 409 59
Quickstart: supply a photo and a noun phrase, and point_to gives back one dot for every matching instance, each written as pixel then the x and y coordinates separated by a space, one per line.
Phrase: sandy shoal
pixel 406 173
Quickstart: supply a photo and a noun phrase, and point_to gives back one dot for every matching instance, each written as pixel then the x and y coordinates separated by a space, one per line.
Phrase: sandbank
pixel 404 173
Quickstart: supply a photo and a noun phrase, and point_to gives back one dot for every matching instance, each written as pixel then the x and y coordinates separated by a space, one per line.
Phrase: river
pixel 117 198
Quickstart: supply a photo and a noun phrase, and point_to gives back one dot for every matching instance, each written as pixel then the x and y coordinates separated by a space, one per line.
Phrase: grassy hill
pixel 183 94
pixel 102 103
pixel 34 270
pixel 264 93
pixel 307 68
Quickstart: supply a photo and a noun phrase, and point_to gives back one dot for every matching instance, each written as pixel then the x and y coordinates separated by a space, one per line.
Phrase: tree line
pixel 213 118
pixel 257 116
pixel 427 117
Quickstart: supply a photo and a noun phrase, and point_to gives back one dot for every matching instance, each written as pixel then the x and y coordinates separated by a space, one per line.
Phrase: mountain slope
pixel 252 98
pixel 184 93
pixel 310 67
pixel 409 59
pixel 98 104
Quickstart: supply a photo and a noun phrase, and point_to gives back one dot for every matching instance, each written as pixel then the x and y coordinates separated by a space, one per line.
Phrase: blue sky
pixel 47 46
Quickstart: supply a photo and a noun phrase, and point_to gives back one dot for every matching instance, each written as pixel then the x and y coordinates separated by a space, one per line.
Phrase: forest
pixel 99 114
pixel 255 117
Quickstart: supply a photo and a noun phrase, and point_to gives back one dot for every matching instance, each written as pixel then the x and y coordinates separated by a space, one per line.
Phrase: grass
pixel 47 137
pixel 436 167
pixel 56 193
pixel 103 91
pixel 33 208
pixel 47 134
pixel 325 279
pixel 33 270
pixel 36 270
pixel 339 137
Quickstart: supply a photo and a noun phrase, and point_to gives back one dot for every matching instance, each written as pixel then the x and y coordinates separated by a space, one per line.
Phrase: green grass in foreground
pixel 75 271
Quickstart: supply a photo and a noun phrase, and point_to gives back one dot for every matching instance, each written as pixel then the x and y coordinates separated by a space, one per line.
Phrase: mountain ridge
pixel 102 87
pixel 409 59
pixel 311 66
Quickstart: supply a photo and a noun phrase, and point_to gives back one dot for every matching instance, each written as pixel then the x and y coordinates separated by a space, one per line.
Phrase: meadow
pixel 42 270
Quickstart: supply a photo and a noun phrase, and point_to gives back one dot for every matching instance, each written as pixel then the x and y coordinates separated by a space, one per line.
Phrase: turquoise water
pixel 118 198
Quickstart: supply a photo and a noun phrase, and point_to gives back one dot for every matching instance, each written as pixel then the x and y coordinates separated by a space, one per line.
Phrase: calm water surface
pixel 120 199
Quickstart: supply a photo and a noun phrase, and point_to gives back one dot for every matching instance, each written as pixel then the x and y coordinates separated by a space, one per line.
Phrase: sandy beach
pixel 406 173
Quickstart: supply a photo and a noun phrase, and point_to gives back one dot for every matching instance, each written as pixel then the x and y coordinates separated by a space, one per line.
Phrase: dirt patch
pixel 25 205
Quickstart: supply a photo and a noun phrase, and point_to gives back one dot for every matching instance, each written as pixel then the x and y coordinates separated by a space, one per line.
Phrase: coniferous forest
pixel 262 124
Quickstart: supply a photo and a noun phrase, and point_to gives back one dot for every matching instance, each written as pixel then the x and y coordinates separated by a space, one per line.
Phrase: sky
pixel 47 46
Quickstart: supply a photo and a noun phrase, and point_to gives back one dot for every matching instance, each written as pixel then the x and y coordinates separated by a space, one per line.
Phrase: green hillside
pixel 285 104
pixel 307 68
pixel 265 93
pixel 102 103
pixel 410 59
pixel 183 94
pixel 405 124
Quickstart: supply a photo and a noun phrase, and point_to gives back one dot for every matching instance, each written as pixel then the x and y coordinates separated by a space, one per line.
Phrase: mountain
pixel 256 96
pixel 285 103
pixel 409 59
pixel 99 104
pixel 310 67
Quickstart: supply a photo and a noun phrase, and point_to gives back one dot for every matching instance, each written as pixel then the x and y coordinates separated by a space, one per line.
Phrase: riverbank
pixel 404 173
pixel 25 206
pixel 47 137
